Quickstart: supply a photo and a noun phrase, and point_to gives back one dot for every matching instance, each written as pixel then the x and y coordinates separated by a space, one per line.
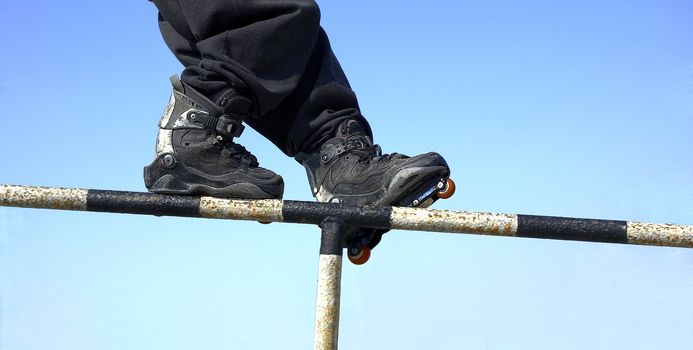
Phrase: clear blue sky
pixel 572 108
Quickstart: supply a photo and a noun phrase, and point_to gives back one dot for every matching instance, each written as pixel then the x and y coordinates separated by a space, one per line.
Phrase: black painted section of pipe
pixel 333 230
pixel 143 203
pixel 315 213
pixel 608 231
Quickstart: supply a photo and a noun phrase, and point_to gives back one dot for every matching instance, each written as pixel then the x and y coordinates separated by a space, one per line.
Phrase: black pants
pixel 274 48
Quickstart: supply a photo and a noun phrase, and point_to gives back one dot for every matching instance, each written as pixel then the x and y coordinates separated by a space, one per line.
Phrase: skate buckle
pixel 229 127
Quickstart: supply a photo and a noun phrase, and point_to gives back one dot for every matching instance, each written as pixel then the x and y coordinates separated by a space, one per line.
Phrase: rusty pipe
pixel 517 225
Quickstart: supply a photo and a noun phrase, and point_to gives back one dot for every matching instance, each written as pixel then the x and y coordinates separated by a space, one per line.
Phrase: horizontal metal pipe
pixel 610 231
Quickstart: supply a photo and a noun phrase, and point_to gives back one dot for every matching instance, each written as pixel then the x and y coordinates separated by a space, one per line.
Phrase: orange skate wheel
pixel 448 191
pixel 362 257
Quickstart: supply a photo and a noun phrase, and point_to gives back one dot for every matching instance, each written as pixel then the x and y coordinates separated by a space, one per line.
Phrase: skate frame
pixel 334 218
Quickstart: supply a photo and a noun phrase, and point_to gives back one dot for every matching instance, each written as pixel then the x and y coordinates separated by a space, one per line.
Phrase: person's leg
pixel 279 54
pixel 195 152
pixel 275 50
pixel 176 34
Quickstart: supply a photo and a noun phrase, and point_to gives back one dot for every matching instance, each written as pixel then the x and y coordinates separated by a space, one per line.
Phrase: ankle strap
pixel 360 141
pixel 225 125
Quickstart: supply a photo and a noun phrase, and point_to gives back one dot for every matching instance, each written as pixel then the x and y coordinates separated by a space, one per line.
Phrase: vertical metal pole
pixel 329 285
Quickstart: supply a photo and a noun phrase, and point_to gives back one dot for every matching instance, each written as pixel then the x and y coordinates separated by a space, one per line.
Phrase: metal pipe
pixel 609 231
pixel 329 285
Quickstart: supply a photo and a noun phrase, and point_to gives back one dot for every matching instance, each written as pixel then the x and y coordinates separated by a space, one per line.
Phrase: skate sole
pixel 169 184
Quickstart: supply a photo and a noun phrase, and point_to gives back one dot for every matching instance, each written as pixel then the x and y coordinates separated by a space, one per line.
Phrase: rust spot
pixel 43 197
pixel 327 312
pixel 267 210
pixel 453 221
pixel 660 234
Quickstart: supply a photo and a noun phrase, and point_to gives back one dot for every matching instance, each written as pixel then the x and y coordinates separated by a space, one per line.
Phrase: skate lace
pixel 367 153
pixel 239 152
pixel 372 154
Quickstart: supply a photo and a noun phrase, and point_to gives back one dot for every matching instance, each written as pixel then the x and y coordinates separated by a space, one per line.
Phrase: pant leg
pixel 274 48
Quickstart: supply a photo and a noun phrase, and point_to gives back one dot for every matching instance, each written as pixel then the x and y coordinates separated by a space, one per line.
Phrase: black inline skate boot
pixel 350 169
pixel 195 152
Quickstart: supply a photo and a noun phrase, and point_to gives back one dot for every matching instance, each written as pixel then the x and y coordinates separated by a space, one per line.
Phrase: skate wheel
pixel 265 222
pixel 448 191
pixel 361 257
